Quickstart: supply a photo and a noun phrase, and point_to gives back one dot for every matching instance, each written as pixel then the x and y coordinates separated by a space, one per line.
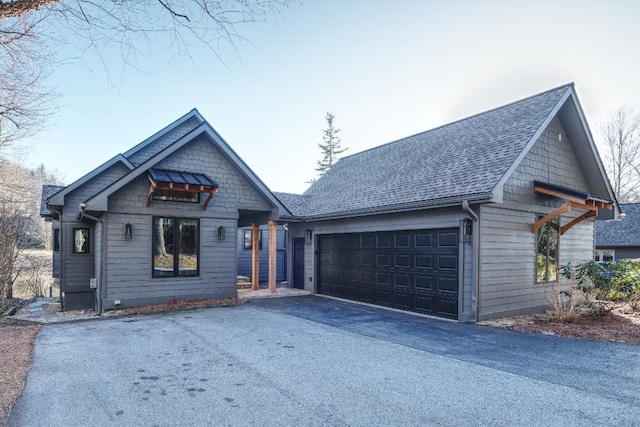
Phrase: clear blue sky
pixel 385 69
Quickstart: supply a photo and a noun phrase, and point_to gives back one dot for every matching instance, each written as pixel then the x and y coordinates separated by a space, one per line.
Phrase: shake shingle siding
pixel 154 147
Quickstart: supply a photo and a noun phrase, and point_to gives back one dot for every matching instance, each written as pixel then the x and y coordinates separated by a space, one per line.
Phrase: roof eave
pixel 405 207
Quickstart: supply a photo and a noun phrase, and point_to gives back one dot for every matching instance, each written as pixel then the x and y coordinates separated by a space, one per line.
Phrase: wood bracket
pixel 587 214
pixel 555 213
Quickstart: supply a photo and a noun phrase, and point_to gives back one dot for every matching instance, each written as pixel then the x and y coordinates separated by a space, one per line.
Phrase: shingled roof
pixel 462 160
pixel 621 232
pixel 48 191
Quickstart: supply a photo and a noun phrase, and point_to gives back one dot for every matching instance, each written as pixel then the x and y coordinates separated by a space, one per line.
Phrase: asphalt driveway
pixel 311 361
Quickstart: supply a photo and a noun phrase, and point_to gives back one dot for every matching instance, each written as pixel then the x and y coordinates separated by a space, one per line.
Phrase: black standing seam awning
pixel 181 181
pixel 573 199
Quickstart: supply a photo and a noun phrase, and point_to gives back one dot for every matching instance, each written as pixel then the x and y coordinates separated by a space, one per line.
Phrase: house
pixel 245 245
pixel 619 239
pixel 158 221
pixel 468 221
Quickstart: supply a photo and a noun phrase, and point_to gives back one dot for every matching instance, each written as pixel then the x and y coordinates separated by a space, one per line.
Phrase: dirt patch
pixel 620 325
pixel 16 351
pixel 176 304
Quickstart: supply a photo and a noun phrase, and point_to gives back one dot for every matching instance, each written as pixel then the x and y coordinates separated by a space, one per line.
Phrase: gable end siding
pixel 549 160
pixel 198 156
pixel 163 142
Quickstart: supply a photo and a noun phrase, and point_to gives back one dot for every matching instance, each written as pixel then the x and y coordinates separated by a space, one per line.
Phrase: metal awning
pixel 574 199
pixel 181 181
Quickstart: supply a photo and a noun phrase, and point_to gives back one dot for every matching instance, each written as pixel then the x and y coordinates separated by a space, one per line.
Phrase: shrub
pixel 604 284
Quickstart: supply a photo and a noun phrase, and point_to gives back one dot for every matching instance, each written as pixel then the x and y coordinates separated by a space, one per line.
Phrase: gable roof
pixel 297 204
pixel 622 232
pixel 469 159
pixel 47 192
pixel 58 198
pixel 99 201
pixel 194 114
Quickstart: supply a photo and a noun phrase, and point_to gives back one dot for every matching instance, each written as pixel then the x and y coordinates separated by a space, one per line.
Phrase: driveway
pixel 312 361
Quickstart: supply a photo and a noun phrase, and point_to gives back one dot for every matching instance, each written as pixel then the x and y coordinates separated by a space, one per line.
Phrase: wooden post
pixel 255 257
pixel 273 240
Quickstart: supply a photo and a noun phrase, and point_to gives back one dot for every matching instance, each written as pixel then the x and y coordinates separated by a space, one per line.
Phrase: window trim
pixel 600 254
pixel 249 232
pixel 557 263
pixel 88 241
pixel 158 199
pixel 176 259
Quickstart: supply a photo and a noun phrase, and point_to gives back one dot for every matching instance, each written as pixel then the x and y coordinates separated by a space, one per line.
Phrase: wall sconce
pixel 467 230
pixel 220 233
pixel 308 234
pixel 128 231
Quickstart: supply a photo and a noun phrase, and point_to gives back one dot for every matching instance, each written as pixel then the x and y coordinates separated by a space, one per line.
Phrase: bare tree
pixel 30 30
pixel 621 140
pixel 20 224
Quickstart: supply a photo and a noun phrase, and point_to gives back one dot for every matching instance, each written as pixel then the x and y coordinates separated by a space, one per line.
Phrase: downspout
pixel 102 252
pixel 475 288
pixel 62 256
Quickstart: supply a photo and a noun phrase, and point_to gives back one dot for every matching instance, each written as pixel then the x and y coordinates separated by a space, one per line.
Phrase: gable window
pixel 80 240
pixel 176 196
pixel 604 255
pixel 176 247
pixel 547 245
pixel 248 239
pixel 56 240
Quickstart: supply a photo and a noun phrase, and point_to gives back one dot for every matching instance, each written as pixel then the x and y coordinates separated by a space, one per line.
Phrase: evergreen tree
pixel 331 147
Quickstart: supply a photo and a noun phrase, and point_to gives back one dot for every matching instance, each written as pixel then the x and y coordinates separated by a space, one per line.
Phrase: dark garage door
pixel 409 270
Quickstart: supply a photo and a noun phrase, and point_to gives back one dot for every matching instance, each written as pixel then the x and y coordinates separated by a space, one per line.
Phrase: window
pixel 80 240
pixel 547 240
pixel 176 247
pixel 248 239
pixel 56 240
pixel 604 255
pixel 176 196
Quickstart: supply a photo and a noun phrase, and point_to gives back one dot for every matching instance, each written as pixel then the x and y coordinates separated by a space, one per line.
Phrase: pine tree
pixel 331 147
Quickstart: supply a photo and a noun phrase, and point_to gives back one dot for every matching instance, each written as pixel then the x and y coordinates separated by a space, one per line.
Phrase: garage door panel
pixel 447 240
pixel 447 262
pixel 410 270
pixel 402 260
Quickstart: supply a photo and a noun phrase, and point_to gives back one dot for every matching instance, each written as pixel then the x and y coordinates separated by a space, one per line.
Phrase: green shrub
pixel 604 284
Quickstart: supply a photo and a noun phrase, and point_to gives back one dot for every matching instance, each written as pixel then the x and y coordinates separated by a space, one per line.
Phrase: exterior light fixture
pixel 128 231
pixel 220 233
pixel 308 234
pixel 467 230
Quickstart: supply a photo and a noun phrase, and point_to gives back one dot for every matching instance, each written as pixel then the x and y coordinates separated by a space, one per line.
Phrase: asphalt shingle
pixel 620 232
pixel 48 191
pixel 464 158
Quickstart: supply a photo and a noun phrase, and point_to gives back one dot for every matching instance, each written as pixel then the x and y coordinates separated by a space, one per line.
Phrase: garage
pixel 415 270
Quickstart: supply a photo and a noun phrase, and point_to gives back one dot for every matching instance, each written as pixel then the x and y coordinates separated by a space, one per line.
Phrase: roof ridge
pixel 570 84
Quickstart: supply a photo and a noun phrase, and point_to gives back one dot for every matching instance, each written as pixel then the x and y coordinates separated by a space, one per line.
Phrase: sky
pixel 384 69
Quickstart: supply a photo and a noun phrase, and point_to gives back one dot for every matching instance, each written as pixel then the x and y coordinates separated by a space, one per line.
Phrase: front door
pixel 298 263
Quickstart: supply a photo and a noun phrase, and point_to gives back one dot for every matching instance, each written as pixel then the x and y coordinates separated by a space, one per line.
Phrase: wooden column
pixel 255 256
pixel 273 240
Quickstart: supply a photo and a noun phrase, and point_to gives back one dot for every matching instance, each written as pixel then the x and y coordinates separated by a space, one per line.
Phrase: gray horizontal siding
pixel 78 268
pixel 508 259
pixel 128 264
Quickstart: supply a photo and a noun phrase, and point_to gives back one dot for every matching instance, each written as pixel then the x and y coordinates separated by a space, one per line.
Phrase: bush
pixel 606 283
